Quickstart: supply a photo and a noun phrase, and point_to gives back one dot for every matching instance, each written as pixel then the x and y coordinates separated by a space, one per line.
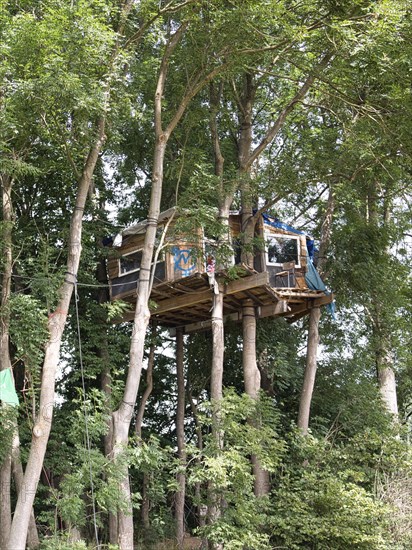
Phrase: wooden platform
pixel 188 302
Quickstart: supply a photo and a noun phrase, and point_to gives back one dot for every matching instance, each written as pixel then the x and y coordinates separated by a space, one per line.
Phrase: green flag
pixel 7 391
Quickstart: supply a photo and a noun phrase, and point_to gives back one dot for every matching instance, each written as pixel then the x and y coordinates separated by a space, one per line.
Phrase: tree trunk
pixel 216 384
pixel 310 370
pixel 5 501
pixel 216 395
pixel 122 417
pixel 149 385
pixel 384 366
pixel 252 385
pixel 387 388
pixel 12 462
pixel 144 512
pixel 56 324
pixel 314 319
pixel 181 448
pixel 381 328
pixel 251 373
pixel 5 363
pixel 202 510
pixel 18 474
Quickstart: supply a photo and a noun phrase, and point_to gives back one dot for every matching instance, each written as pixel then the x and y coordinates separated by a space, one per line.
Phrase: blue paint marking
pixel 183 260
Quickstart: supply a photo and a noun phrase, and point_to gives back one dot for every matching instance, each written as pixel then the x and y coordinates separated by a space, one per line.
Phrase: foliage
pixel 159 466
pixel 8 424
pixel 249 428
pixel 321 499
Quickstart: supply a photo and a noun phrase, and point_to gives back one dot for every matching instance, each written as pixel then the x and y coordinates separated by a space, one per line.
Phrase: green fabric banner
pixel 7 390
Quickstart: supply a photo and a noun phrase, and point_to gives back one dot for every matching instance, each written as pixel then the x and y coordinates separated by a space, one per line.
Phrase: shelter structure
pixel 281 282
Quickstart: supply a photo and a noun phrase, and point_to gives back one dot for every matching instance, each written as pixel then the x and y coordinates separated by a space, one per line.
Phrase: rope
pixel 86 417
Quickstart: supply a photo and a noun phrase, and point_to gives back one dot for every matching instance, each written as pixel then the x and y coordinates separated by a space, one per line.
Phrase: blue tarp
pixel 314 282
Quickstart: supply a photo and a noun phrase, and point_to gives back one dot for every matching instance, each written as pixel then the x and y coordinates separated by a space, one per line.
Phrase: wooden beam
pixel 304 308
pixel 184 300
pixel 205 325
pixel 240 285
pixel 291 294
pixel 192 298
pixel 272 310
pixel 256 299
pixel 265 311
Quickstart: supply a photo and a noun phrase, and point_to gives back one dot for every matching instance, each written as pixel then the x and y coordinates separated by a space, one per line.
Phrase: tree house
pixel 282 282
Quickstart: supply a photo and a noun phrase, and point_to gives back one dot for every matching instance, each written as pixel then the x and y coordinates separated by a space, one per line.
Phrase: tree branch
pixel 275 128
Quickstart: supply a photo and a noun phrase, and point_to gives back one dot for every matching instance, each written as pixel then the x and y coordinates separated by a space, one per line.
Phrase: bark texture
pixel 381 326
pixel 216 395
pixel 387 388
pixel 18 475
pixel 251 372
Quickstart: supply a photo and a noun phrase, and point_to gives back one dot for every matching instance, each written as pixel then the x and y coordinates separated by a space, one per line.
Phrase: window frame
pixel 268 235
pixel 160 259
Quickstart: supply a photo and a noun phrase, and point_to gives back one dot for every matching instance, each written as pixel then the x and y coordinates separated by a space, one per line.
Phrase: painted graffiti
pixel 183 261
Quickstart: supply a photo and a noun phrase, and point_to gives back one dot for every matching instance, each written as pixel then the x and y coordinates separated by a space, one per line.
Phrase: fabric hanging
pixel 7 390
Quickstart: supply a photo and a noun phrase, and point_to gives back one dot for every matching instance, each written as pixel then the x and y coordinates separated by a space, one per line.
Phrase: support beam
pixel 192 298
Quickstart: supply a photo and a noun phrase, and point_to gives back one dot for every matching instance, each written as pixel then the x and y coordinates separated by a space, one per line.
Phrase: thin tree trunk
pixel 216 384
pixel 250 371
pixel 149 385
pixel 202 509
pixel 313 333
pixel 139 421
pixel 181 447
pixel 18 474
pixel 310 371
pixel 252 385
pixel 216 395
pixel 121 418
pixel 106 381
pixel 12 462
pixel 5 363
pixel 384 353
pixel 5 501
pixel 56 324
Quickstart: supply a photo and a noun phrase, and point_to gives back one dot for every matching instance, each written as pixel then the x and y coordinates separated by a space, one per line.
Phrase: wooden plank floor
pixel 188 302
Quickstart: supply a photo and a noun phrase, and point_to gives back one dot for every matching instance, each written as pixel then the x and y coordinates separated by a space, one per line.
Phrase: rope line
pixel 90 285
pixel 86 416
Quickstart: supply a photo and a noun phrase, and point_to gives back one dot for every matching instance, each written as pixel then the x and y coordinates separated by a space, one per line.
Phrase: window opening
pixel 282 249
pixel 131 262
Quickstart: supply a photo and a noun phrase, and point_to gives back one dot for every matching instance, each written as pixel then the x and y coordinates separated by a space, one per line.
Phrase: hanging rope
pixel 86 417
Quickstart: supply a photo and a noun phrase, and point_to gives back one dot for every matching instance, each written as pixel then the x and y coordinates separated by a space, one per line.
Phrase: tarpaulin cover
pixel 314 282
pixel 7 390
